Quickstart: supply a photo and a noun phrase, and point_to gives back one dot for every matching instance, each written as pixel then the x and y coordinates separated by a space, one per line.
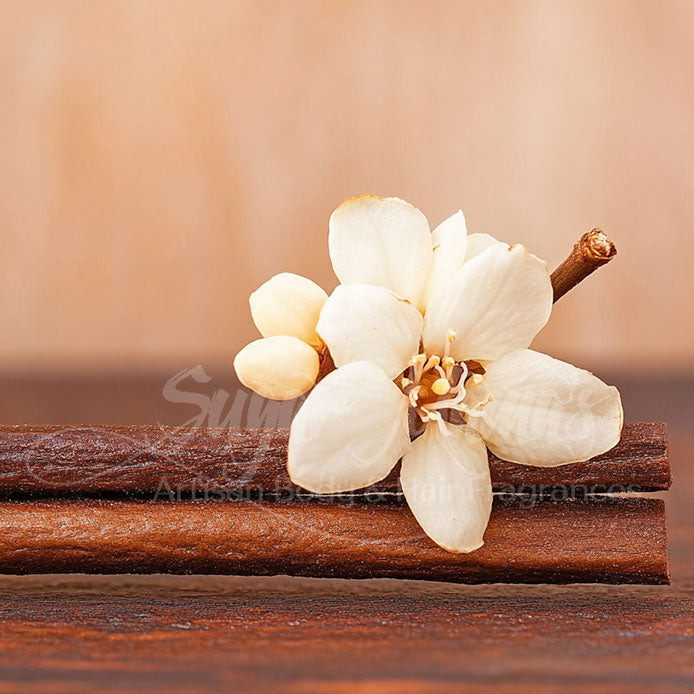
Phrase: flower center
pixel 434 383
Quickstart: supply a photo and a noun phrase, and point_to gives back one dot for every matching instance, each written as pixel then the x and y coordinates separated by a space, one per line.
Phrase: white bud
pixel 278 368
pixel 288 304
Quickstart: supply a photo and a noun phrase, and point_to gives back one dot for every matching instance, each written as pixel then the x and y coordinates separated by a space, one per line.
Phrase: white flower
pixel 287 306
pixel 439 324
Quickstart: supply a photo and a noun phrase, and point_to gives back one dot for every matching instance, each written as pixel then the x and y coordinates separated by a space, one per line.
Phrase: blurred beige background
pixel 160 159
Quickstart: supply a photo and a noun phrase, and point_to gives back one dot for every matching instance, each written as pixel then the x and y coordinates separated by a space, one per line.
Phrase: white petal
pixel 450 244
pixel 496 304
pixel 288 304
pixel 477 243
pixel 361 322
pixel 350 432
pixel 382 241
pixel 278 368
pixel 545 412
pixel 446 481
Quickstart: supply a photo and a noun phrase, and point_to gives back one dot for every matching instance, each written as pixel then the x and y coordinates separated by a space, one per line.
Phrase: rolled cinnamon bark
pixel 148 459
pixel 609 540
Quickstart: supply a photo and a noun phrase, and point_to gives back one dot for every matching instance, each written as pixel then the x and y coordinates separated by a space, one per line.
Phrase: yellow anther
pixel 441 386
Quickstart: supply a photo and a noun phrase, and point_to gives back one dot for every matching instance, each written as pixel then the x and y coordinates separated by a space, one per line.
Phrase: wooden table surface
pixel 207 634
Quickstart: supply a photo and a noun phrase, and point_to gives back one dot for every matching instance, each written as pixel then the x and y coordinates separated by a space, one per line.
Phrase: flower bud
pixel 288 304
pixel 278 368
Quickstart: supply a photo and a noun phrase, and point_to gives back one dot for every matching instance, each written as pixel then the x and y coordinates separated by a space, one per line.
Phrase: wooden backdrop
pixel 161 159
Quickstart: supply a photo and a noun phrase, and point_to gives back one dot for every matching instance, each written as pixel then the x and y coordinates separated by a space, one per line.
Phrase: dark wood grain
pixel 178 634
pixel 609 540
pixel 142 458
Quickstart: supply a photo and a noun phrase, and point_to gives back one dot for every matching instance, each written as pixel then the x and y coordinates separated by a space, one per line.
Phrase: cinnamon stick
pixel 147 459
pixel 593 250
pixel 609 540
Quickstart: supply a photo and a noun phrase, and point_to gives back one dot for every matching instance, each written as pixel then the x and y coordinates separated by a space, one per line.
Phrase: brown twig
pixel 608 540
pixel 593 250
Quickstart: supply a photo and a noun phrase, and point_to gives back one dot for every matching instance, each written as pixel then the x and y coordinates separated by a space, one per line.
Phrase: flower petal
pixel 446 481
pixel 545 412
pixel 382 241
pixel 288 304
pixel 350 432
pixel 477 243
pixel 361 322
pixel 496 304
pixel 450 244
pixel 278 368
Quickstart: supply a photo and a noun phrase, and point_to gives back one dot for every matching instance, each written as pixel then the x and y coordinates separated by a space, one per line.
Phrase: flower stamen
pixel 418 364
pixel 460 385
pixel 436 383
pixel 451 335
pixel 414 395
pixel 436 417
pixel 432 363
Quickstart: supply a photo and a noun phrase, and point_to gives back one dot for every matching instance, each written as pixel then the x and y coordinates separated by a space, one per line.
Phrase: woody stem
pixel 592 250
